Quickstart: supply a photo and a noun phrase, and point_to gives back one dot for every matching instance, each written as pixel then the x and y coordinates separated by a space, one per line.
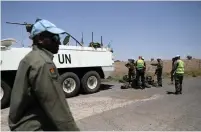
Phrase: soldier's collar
pixel 48 53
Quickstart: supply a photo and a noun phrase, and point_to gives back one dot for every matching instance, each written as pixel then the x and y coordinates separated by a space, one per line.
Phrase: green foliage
pixel 117 61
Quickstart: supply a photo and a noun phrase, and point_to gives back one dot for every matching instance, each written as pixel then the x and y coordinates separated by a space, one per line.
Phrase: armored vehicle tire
pixel 91 82
pixel 5 94
pixel 70 84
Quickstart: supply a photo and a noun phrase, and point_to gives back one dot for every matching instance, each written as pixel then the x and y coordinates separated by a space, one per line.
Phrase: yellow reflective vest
pixel 140 64
pixel 180 67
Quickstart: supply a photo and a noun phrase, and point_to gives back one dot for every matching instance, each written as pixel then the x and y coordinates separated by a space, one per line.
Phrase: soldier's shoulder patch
pixel 52 70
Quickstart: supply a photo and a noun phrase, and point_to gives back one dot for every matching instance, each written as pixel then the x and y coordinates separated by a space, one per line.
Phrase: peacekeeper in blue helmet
pixel 37 100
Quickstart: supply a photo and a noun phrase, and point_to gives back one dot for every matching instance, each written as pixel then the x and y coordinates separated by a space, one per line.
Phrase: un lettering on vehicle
pixel 64 58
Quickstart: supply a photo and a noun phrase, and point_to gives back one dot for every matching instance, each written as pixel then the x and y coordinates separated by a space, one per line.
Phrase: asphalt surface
pixel 151 109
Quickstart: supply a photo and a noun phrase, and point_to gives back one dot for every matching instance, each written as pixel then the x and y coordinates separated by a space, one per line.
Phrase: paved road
pixel 130 109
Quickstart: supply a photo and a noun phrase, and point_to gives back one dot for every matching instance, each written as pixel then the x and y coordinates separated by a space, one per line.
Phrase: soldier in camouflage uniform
pixel 172 71
pixel 159 71
pixel 37 100
pixel 131 70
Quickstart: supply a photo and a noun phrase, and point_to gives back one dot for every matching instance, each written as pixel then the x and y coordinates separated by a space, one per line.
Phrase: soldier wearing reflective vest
pixel 140 72
pixel 178 74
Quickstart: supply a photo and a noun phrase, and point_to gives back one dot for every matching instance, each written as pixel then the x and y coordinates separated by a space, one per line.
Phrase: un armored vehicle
pixel 80 67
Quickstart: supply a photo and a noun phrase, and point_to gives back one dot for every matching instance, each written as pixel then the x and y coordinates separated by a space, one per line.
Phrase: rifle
pixel 28 26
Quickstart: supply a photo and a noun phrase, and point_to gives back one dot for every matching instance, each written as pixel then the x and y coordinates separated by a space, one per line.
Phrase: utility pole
pixel 92 37
pixel 101 41
pixel 82 41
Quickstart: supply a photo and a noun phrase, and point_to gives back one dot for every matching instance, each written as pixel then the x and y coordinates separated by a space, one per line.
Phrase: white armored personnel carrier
pixel 80 67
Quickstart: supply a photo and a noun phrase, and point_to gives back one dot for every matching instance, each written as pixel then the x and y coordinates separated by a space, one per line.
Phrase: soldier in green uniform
pixel 131 69
pixel 37 100
pixel 178 74
pixel 172 71
pixel 159 71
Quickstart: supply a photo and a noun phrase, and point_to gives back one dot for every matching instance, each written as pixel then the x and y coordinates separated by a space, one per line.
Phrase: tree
pixel 117 61
pixel 189 57
pixel 152 59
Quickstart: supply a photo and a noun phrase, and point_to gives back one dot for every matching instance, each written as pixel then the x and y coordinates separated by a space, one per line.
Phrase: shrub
pixel 189 57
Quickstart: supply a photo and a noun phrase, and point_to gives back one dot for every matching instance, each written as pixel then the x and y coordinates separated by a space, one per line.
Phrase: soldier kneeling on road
pixel 150 81
pixel 127 84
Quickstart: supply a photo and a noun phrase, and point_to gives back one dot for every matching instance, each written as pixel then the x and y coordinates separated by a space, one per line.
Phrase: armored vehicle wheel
pixel 5 94
pixel 91 82
pixel 70 84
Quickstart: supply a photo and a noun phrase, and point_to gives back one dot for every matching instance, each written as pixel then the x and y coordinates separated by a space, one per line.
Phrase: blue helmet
pixel 44 25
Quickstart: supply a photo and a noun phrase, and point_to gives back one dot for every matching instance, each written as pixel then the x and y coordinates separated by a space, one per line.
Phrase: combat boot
pixel 143 87
pixel 140 87
pixel 171 83
pixel 180 91
pixel 159 85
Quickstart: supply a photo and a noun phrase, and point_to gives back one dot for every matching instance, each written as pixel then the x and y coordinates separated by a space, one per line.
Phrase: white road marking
pixel 85 107
pixel 82 108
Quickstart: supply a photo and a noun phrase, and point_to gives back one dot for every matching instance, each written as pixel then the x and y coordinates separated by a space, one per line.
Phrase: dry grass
pixel 192 68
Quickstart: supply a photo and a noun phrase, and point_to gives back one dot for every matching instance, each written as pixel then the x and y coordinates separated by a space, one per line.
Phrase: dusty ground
pixel 100 111
pixel 129 109
pixel 194 64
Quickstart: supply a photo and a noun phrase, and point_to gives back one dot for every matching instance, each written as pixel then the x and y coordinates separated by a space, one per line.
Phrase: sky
pixel 150 29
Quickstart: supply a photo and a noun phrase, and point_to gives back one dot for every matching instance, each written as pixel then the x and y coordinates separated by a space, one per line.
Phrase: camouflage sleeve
pixel 175 66
pixel 136 63
pixel 145 64
pixel 50 95
pixel 126 64
pixel 154 64
pixel 161 64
